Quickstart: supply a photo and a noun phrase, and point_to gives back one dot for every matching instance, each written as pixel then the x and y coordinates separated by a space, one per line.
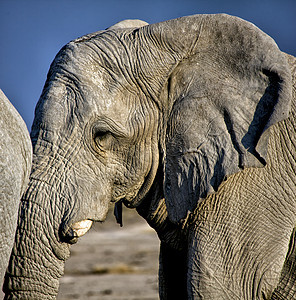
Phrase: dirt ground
pixel 113 263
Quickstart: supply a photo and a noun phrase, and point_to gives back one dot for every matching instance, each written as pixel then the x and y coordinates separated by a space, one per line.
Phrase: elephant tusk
pixel 82 227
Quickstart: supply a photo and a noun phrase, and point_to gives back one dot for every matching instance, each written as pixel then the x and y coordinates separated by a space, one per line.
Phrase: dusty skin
pixel 187 120
pixel 113 263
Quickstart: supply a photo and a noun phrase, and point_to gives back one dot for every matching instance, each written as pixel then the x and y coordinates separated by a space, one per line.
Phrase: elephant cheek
pixel 87 207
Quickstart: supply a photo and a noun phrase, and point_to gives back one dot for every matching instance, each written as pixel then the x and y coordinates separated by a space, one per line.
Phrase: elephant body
pixel 255 232
pixel 242 237
pixel 191 122
pixel 15 167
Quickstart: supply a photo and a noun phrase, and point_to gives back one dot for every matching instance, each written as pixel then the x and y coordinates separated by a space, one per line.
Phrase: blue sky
pixel 33 31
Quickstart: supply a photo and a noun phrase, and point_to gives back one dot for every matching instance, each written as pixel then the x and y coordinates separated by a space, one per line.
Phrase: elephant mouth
pixel 75 231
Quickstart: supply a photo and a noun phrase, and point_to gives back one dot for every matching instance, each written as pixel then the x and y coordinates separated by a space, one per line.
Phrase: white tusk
pixel 81 227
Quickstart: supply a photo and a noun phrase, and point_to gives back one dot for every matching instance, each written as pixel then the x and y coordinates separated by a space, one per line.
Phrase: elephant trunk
pixel 38 255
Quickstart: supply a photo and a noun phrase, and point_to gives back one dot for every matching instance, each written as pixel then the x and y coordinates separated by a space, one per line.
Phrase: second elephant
pixel 15 168
pixel 190 121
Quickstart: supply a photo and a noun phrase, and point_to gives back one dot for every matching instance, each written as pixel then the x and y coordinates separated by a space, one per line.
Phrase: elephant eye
pixel 102 139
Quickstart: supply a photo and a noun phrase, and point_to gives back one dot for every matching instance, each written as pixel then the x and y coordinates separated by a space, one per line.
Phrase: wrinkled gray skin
pixel 15 167
pixel 190 121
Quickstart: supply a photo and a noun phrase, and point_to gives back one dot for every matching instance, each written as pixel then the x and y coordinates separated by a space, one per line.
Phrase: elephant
pixel 190 121
pixel 15 167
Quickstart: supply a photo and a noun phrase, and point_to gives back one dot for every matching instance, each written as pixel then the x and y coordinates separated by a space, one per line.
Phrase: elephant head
pixel 178 105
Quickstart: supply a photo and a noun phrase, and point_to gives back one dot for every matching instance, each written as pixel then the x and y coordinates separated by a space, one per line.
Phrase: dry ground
pixel 113 263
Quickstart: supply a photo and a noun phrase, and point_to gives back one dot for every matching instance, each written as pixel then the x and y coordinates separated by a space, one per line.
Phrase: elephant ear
pixel 223 98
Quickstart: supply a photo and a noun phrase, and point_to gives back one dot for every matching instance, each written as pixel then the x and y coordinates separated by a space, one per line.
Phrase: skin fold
pixel 191 122
pixel 15 166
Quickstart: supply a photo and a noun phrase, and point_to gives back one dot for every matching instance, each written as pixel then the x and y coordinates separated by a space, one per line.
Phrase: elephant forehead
pixel 51 108
pixel 82 88
pixel 105 104
pixel 65 111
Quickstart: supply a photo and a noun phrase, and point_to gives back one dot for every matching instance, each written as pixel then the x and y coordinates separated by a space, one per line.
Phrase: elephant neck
pixel 153 209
